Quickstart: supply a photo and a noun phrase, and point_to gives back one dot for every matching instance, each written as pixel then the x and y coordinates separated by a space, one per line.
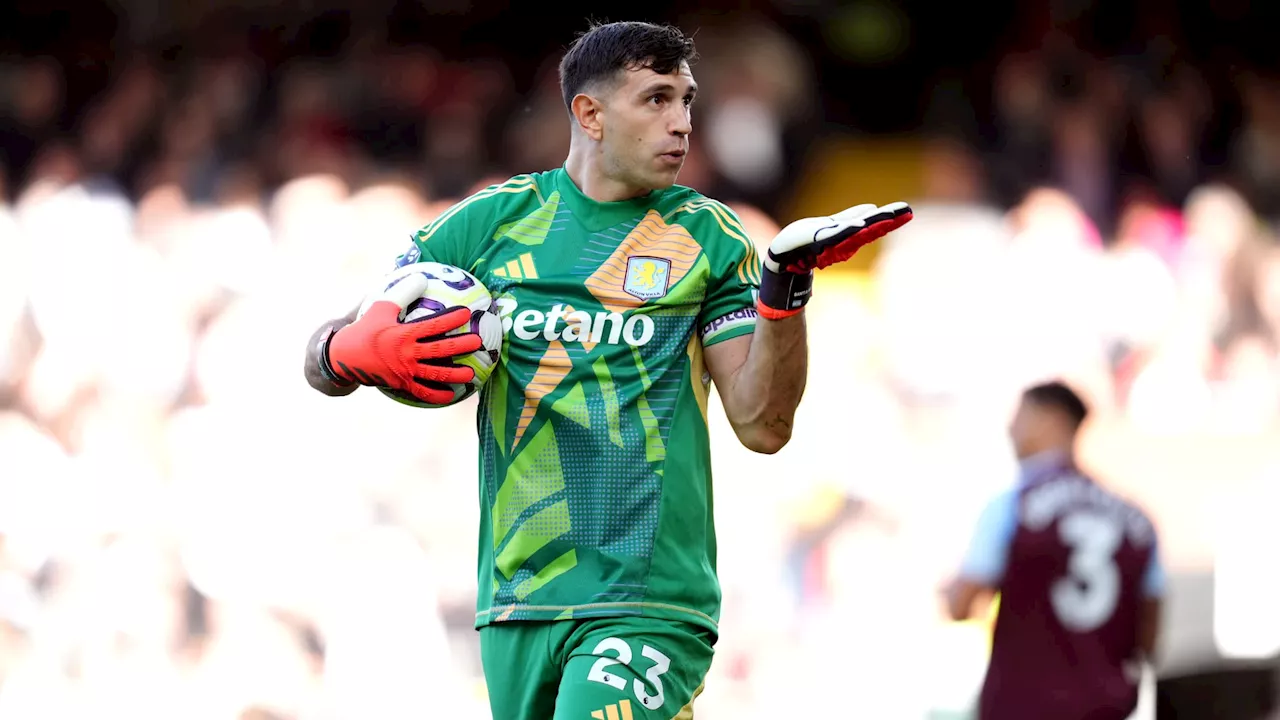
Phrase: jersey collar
pixel 1042 465
pixel 596 216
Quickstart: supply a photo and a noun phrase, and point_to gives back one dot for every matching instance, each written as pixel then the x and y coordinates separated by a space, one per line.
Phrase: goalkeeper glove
pixel 810 244
pixel 380 350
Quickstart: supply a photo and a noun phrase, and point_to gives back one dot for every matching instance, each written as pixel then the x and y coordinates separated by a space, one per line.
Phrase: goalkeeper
pixel 624 298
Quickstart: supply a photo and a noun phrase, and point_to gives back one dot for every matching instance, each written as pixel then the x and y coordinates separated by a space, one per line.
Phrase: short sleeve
pixel 988 552
pixel 729 309
pixel 458 236
pixel 451 237
pixel 1153 579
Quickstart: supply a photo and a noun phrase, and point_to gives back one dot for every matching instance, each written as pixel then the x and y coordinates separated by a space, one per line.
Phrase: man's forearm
pixel 316 376
pixel 768 387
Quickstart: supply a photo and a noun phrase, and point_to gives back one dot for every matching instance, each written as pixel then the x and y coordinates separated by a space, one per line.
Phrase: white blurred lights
pixel 1246 586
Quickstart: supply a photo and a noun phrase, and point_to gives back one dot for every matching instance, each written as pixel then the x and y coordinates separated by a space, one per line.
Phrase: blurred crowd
pixel 187 530
pixel 232 125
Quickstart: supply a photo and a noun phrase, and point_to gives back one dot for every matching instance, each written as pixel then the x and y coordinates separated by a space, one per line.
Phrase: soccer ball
pixel 449 286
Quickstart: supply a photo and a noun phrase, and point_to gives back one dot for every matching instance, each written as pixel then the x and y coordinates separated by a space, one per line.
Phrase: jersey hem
pixel 548 613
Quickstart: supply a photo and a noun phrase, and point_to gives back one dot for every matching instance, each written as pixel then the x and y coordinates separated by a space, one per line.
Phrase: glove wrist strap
pixel 325 368
pixel 783 294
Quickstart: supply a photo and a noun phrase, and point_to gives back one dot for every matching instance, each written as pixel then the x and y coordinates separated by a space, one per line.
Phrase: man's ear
pixel 588 115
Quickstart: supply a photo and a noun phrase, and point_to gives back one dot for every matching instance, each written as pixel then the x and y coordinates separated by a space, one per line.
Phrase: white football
pixel 449 286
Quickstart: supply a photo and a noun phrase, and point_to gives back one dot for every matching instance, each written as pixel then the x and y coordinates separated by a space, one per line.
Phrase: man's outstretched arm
pixel 761 378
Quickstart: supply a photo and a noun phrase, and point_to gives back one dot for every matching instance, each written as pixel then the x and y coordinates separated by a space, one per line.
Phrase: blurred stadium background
pixel 188 189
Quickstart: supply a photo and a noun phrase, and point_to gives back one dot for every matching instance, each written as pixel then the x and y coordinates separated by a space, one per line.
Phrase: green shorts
pixel 606 669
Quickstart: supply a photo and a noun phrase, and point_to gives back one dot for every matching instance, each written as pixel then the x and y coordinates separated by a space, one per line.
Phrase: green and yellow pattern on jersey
pixel 595 491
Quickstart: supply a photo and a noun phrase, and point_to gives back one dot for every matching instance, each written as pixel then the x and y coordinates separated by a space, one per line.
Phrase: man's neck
pixel 1043 460
pixel 1055 452
pixel 584 169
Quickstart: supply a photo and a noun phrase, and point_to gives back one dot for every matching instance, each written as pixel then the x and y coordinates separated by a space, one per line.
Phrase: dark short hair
pixel 606 49
pixel 1057 396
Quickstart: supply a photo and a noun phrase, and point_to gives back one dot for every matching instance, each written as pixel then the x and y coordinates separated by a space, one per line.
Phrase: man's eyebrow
pixel 668 87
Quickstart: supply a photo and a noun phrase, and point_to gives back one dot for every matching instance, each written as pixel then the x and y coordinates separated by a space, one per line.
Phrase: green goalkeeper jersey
pixel 595 463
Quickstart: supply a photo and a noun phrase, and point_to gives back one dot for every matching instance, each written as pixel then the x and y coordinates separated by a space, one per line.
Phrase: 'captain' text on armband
pixel 731 321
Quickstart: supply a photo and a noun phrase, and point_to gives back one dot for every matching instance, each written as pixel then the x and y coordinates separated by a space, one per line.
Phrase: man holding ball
pixel 623 296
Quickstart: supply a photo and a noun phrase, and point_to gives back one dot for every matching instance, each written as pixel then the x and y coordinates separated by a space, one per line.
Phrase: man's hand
pixel 815 243
pixel 414 357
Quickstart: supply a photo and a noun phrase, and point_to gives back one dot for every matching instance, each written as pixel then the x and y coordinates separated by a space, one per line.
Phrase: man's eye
pixel 656 99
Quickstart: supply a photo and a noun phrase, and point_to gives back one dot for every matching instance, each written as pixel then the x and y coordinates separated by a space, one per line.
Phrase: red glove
pixel 786 282
pixel 414 357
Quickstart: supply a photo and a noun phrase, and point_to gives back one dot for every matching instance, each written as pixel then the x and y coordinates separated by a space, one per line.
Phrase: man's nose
pixel 682 125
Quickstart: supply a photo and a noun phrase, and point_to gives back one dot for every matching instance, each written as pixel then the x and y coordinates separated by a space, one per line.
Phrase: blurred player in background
pixel 1079 577
pixel 623 296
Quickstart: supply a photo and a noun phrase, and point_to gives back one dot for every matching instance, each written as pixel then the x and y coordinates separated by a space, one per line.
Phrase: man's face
pixel 1027 430
pixel 646 124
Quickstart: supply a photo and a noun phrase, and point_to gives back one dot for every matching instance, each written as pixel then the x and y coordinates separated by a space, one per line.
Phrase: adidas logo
pixel 620 711
pixel 522 268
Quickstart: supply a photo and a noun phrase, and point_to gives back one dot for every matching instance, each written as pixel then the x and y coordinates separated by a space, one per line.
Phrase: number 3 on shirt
pixel 661 664
pixel 1086 597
